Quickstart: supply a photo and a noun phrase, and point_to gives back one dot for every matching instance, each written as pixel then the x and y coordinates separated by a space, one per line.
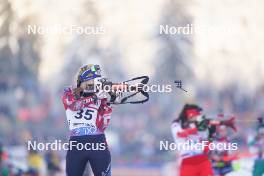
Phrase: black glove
pixel 112 97
pixel 202 125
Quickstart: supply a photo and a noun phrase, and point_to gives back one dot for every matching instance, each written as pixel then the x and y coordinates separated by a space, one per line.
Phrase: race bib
pixel 84 118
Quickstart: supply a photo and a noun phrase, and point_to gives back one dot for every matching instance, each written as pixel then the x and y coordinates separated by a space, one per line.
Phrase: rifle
pixel 116 90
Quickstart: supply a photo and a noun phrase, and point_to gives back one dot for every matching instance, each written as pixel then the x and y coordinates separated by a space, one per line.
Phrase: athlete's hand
pixel 114 97
pixel 203 125
pixel 77 92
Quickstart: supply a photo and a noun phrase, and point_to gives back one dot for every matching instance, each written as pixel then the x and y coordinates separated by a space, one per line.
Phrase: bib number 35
pixel 86 114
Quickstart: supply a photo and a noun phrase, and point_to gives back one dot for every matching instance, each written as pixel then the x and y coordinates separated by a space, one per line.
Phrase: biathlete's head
pixel 221 130
pixel 191 113
pixel 86 77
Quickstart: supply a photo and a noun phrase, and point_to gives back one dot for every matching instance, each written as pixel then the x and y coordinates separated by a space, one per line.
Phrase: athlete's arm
pixel 70 97
pixel 229 123
pixel 104 114
pixel 179 132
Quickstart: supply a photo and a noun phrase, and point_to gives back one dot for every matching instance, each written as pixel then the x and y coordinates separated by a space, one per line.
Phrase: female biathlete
pixel 191 127
pixel 88 115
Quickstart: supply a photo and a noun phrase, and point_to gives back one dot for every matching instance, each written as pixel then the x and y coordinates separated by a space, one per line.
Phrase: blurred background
pixel 221 67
